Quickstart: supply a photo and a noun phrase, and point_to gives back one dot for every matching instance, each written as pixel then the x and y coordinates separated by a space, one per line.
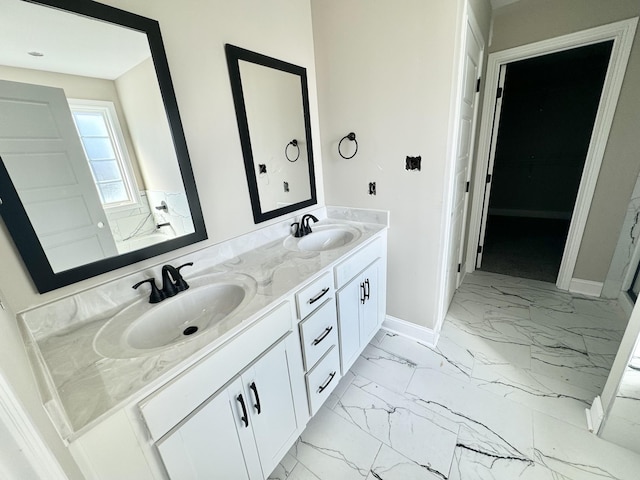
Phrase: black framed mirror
pixel 95 172
pixel 271 99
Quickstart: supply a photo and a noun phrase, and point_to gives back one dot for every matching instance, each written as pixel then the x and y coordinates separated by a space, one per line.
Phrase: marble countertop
pixel 80 386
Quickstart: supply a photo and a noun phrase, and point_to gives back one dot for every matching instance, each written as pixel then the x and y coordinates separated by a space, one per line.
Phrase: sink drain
pixel 190 330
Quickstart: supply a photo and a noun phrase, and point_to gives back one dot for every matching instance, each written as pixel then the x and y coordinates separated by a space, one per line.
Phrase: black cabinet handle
pixel 362 294
pixel 326 332
pixel 326 384
pixel 319 296
pixel 367 289
pixel 245 417
pixel 255 394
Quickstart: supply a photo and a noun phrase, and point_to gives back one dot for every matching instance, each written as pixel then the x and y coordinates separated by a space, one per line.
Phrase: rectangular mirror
pixel 95 172
pixel 272 109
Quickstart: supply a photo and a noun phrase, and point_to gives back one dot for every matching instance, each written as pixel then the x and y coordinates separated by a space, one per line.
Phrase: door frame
pixel 467 17
pixel 622 33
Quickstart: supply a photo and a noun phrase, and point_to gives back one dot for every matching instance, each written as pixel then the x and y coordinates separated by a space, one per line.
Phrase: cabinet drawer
pixel 322 379
pixel 318 333
pixel 357 262
pixel 313 295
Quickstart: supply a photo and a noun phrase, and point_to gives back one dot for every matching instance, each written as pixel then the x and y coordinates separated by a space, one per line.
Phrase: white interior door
pixel 492 157
pixel 472 64
pixel 40 148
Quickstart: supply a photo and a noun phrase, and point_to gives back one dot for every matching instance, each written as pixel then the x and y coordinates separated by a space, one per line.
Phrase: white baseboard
pixel 625 302
pixel 586 287
pixel 411 330
pixel 595 415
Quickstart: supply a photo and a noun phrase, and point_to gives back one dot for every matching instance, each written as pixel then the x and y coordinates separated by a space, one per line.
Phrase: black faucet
pixel 304 223
pixel 172 283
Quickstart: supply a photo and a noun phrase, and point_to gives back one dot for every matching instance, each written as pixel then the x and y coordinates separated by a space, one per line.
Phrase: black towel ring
pixel 352 137
pixel 293 142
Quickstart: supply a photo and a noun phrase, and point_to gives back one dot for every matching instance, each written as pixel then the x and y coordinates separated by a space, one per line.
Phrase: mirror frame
pixel 234 55
pixel 13 212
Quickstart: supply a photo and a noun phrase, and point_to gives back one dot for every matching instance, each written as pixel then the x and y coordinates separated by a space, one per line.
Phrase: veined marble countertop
pixel 79 386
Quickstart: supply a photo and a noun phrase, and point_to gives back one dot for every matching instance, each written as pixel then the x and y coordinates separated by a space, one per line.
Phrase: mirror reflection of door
pixel 45 159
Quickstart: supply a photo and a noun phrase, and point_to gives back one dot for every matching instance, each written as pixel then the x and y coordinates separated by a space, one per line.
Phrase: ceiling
pixel 70 43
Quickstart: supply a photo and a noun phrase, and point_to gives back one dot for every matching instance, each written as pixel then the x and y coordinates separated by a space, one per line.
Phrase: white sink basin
pixel 143 329
pixel 323 238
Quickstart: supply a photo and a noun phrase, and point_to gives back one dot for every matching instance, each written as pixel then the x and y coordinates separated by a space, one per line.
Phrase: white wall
pixel 194 34
pixel 386 72
pixel 142 103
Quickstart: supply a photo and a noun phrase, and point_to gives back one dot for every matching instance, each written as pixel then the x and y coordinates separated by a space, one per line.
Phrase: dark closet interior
pixel 549 106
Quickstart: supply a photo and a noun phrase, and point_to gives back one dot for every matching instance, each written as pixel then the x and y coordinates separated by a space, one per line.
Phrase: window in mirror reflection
pixel 101 137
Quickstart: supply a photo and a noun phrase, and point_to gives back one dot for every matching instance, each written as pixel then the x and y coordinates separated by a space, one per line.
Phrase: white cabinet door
pixel 349 300
pixel 370 311
pixel 271 409
pixel 207 446
pixel 359 314
pixel 242 432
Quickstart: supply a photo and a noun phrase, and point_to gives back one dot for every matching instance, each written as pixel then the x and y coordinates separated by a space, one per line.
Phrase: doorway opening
pixel 545 114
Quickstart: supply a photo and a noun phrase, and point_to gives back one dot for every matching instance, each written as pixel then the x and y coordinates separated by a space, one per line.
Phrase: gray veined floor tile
pixel 488 423
pixel 416 432
pixel 487 348
pixel 538 392
pixel 577 369
pixel 580 455
pixel 390 465
pixel 384 368
pixel 335 449
pixel 284 469
pixel 300 472
pixel 447 357
pixel 606 309
pixel 471 465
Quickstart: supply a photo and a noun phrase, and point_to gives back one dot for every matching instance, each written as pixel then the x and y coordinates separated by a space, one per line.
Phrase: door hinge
pixel 499 94
pixel 459 267
pixel 488 178
pixel 479 248
pixel 466 189
pixel 478 85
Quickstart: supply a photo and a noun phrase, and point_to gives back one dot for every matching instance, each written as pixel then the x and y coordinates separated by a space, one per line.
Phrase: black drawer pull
pixel 245 417
pixel 326 384
pixel 319 296
pixel 367 289
pixel 362 294
pixel 255 394
pixel 326 332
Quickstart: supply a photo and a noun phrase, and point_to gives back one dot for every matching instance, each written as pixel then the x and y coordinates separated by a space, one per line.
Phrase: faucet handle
pixel 156 295
pixel 297 231
pixel 180 282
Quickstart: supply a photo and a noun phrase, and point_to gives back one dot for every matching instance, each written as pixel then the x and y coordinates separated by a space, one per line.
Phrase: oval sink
pixel 323 238
pixel 144 329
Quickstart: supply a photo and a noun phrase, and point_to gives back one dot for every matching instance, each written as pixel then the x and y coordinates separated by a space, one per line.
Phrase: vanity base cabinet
pixel 240 433
pixel 359 313
pixel 211 444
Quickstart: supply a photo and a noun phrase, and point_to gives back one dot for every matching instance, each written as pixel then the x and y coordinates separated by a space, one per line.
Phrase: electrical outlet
pixel 372 188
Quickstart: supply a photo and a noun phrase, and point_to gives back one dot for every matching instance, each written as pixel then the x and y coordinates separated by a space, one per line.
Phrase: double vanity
pixel 219 380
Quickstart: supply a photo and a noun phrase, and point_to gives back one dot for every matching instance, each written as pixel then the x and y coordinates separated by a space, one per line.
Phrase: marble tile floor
pixel 502 396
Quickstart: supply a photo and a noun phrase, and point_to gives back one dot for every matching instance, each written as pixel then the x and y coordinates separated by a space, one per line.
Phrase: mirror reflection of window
pixel 101 137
